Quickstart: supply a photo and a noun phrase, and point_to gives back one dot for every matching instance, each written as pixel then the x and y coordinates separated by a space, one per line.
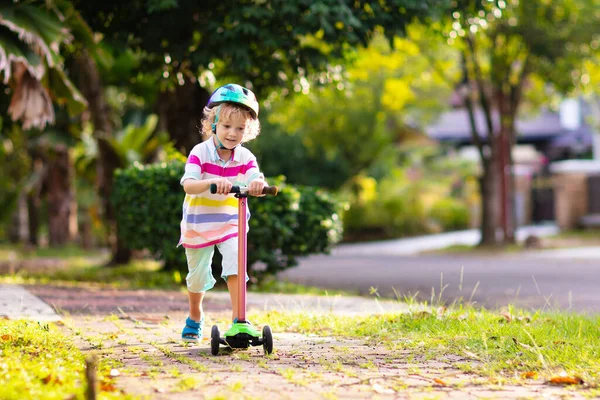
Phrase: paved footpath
pixel 139 330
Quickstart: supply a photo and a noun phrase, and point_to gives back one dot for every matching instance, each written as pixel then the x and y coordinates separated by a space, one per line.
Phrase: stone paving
pixel 139 332
pixel 16 302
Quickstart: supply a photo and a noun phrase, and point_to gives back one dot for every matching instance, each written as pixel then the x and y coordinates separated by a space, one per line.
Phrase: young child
pixel 209 220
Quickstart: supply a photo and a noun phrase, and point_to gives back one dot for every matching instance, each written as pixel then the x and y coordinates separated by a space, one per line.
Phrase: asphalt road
pixel 562 280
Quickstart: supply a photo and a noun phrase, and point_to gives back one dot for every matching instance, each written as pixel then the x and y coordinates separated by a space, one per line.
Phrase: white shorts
pixel 200 278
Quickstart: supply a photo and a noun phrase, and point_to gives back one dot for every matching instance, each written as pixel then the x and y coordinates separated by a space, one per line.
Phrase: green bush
pixel 399 206
pixel 298 221
pixel 450 213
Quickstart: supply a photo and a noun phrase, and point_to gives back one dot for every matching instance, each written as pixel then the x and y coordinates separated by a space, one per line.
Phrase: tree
pixel 31 63
pixel 503 44
pixel 385 93
pixel 32 36
pixel 263 44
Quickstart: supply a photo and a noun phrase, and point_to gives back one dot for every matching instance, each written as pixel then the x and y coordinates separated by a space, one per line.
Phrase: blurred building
pixel 555 176
pixel 556 135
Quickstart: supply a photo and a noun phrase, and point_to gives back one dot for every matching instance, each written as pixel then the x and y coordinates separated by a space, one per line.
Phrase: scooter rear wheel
pixel 267 339
pixel 215 340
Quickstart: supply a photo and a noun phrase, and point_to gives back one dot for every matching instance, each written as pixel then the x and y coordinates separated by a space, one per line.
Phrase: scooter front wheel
pixel 215 340
pixel 267 339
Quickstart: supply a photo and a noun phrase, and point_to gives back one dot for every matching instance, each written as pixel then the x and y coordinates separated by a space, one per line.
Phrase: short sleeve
pixel 193 168
pixel 252 171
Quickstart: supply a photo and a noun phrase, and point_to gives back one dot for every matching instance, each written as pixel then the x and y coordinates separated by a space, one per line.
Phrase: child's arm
pixel 197 186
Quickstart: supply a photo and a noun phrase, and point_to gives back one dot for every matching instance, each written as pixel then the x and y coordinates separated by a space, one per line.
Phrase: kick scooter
pixel 242 334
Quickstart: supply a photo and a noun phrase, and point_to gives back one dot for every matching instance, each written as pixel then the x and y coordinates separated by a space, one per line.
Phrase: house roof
pixel 454 126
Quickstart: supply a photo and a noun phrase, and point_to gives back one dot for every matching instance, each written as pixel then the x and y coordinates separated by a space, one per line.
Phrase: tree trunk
pixel 490 207
pixel 33 214
pixel 34 195
pixel 18 230
pixel 107 162
pixel 180 113
pixel 505 145
pixel 59 194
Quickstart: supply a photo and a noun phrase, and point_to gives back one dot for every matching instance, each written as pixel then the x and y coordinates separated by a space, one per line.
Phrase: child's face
pixel 230 131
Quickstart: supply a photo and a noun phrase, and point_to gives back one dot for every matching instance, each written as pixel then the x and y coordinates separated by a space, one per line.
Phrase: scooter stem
pixel 242 242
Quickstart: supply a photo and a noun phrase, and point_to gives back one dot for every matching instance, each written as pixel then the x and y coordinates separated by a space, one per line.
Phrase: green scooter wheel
pixel 267 339
pixel 215 340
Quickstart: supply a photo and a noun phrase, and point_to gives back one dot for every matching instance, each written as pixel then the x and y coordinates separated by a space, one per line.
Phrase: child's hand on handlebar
pixel 255 188
pixel 223 185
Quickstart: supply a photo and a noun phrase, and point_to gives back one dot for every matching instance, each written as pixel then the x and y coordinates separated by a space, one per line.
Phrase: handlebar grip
pixel 270 190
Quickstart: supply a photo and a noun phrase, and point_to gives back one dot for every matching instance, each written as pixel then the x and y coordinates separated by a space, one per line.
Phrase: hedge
pixel 298 221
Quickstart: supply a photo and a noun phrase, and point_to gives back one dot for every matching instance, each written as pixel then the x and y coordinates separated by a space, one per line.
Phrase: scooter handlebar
pixel 270 190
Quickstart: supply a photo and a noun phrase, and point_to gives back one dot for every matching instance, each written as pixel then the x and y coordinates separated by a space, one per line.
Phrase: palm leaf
pixel 41 30
pixel 64 92
pixel 13 49
pixel 135 137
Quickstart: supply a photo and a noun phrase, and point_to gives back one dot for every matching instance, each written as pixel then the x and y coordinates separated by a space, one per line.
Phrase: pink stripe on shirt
pixel 199 246
pixel 194 160
pixel 228 171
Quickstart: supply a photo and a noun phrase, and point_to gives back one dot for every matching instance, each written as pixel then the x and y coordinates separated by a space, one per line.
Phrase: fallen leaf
pixel 566 380
pixel 7 338
pixel 440 382
pixel 507 317
pixel 529 375
pixel 377 388
pixel 422 314
pixel 472 355
pixel 52 379
pixel 107 387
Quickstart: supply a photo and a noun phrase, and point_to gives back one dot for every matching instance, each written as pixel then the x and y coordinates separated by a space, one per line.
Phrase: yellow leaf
pixel 529 375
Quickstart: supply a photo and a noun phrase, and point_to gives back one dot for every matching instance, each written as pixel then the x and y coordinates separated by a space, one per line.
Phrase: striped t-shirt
pixel 208 218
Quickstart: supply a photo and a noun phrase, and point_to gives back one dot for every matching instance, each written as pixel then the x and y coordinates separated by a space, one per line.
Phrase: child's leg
pixel 232 285
pixel 199 279
pixel 229 251
pixel 195 300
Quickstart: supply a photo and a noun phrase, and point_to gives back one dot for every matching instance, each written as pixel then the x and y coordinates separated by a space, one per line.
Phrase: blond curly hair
pixel 228 111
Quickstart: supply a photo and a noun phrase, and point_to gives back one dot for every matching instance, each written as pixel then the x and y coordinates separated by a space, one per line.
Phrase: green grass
pixel 146 274
pixel 138 274
pixel 574 238
pixel 476 250
pixel 37 361
pixel 274 285
pixel 592 234
pixel 64 252
pixel 503 346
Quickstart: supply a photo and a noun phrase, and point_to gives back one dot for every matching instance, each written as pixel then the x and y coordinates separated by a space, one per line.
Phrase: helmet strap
pixel 214 129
